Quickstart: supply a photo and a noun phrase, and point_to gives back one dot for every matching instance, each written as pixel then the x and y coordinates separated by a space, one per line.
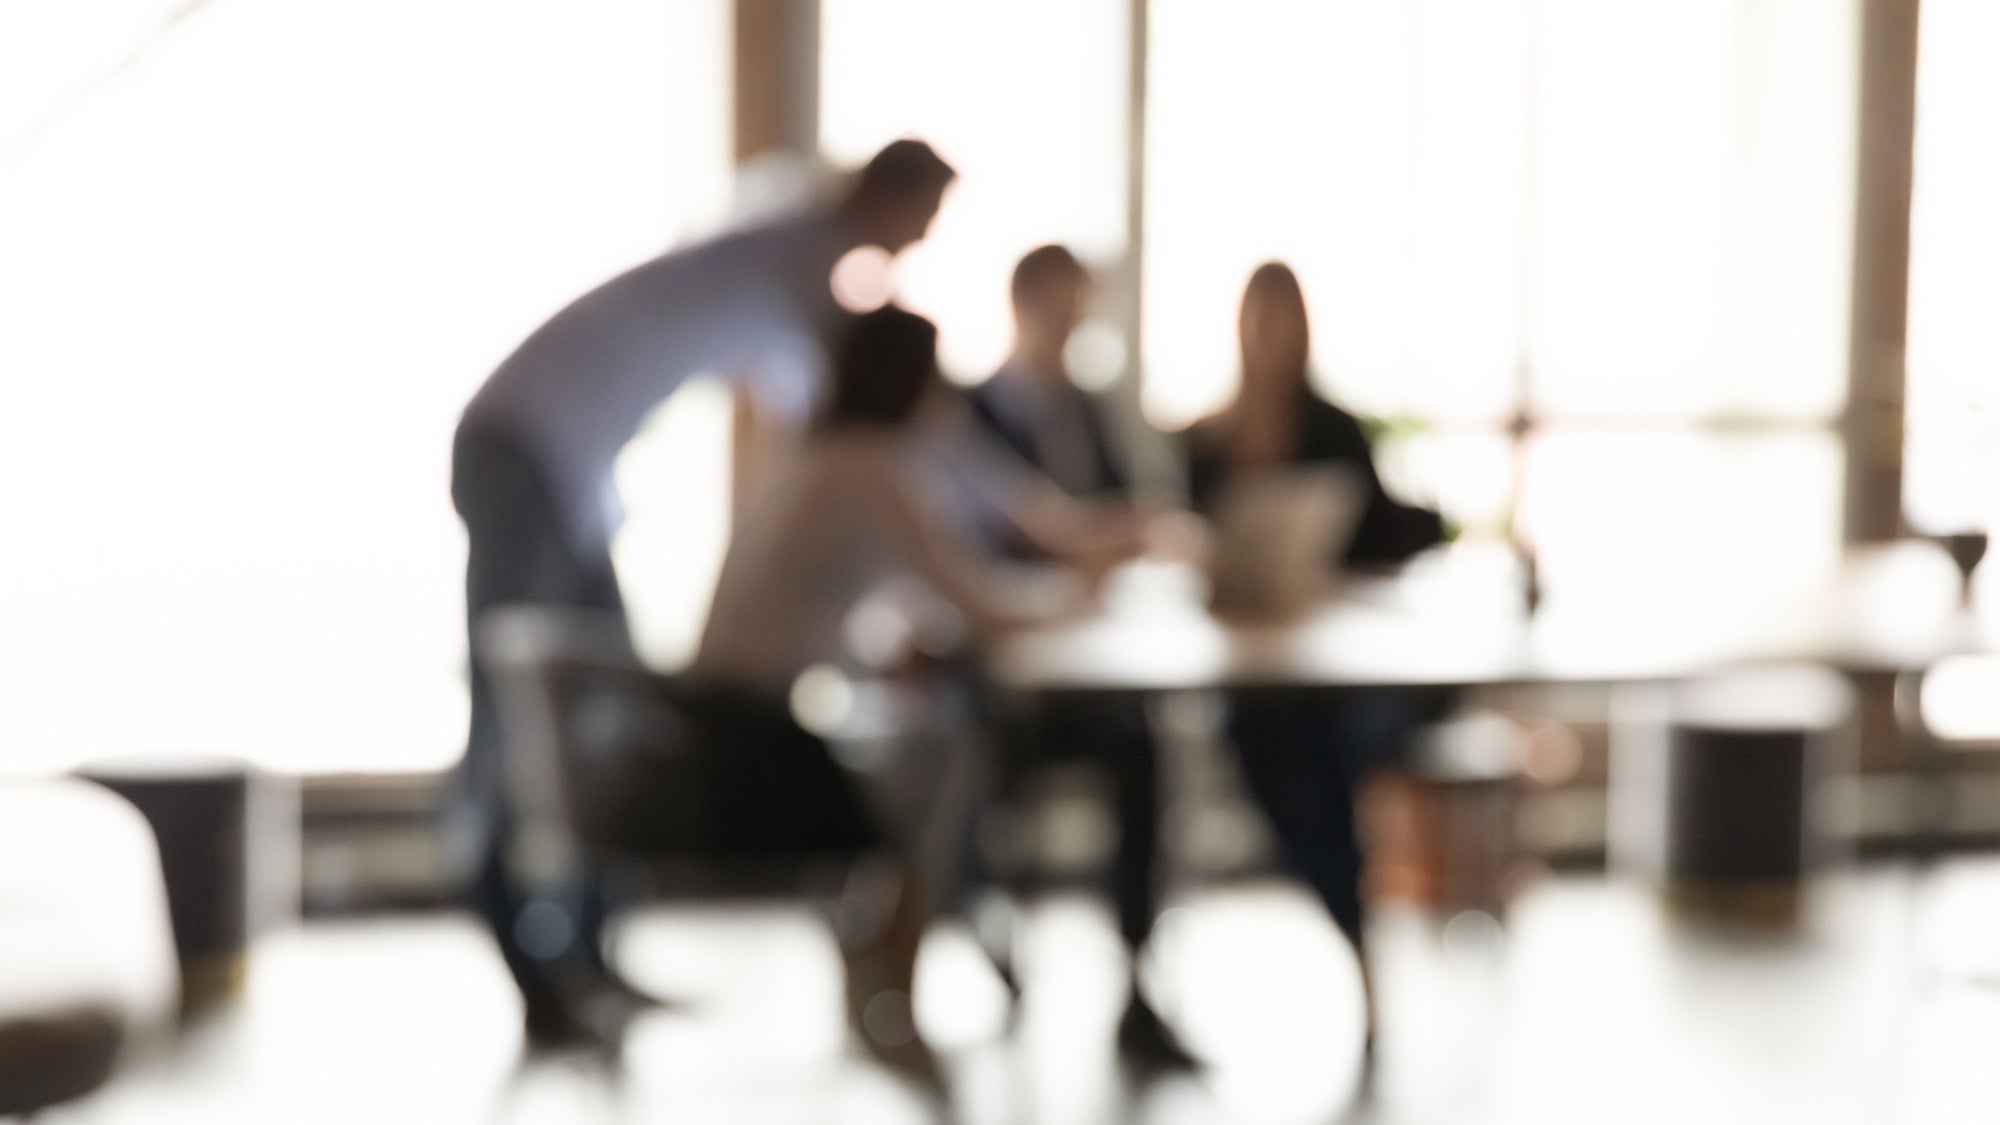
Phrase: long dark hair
pixel 1274 281
pixel 885 362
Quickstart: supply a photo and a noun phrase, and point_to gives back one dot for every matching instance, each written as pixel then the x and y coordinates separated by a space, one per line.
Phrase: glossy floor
pixel 1591 1007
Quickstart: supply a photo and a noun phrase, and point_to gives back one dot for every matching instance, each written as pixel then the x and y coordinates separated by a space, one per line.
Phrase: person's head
pixel 1048 290
pixel 896 195
pixel 883 368
pixel 1276 339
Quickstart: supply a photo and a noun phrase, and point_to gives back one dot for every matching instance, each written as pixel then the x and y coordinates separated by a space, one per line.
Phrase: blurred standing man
pixel 532 479
pixel 1032 406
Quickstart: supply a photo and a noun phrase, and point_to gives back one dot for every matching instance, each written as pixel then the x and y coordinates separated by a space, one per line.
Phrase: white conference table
pixel 1889 610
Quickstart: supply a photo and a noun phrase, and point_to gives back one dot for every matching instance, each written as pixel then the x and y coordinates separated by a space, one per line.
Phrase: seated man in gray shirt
pixel 1033 407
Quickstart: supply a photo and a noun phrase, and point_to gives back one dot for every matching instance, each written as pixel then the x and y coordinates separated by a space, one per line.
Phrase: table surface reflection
pixel 1458 621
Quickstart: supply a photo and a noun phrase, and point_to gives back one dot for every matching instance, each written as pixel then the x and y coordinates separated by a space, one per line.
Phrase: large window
pixel 1591 258
pixel 1626 225
pixel 1952 466
pixel 1378 148
pixel 248 277
pixel 1628 222
pixel 1027 99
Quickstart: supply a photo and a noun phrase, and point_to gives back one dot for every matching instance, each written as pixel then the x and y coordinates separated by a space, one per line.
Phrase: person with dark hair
pixel 532 480
pixel 1033 407
pixel 1031 404
pixel 904 170
pixel 1278 418
pixel 841 512
pixel 842 519
pixel 1303 759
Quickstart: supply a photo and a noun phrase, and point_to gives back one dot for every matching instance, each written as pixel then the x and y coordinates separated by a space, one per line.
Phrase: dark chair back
pixel 607 756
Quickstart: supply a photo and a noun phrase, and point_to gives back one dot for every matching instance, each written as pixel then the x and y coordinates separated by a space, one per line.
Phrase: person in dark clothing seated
pixel 1303 758
pixel 1278 419
pixel 1033 407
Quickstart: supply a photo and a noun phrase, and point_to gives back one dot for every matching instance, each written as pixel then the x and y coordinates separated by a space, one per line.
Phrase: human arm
pixel 1390 531
pixel 990 485
pixel 990 596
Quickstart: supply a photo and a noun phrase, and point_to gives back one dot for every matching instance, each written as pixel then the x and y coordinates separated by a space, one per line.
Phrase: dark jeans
pixel 1303 758
pixel 517 552
pixel 1114 733
pixel 764 786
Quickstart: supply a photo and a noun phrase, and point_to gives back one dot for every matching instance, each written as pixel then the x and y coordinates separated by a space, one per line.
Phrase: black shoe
pixel 636 1000
pixel 551 1023
pixel 583 1010
pixel 1148 1045
pixel 1370 1070
pixel 1009 979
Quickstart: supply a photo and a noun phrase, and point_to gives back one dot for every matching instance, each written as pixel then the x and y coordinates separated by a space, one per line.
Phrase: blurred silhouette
pixel 842 518
pixel 532 480
pixel 1278 418
pixel 1303 757
pixel 848 498
pixel 1031 404
pixel 1033 407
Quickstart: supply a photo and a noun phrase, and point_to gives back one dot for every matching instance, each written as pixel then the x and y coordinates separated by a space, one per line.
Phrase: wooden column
pixel 1137 56
pixel 1155 461
pixel 777 78
pixel 1878 331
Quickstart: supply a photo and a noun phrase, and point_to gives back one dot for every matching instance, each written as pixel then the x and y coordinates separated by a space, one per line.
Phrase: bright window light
pixel 1951 478
pixel 1693 212
pixel 248 283
pixel 1379 149
pixel 1027 100
pixel 1961 699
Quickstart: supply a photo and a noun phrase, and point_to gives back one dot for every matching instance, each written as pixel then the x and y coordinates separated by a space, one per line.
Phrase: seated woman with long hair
pixel 1302 758
pixel 839 518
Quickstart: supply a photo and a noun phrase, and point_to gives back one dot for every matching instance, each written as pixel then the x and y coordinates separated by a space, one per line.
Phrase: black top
pixel 1389 532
